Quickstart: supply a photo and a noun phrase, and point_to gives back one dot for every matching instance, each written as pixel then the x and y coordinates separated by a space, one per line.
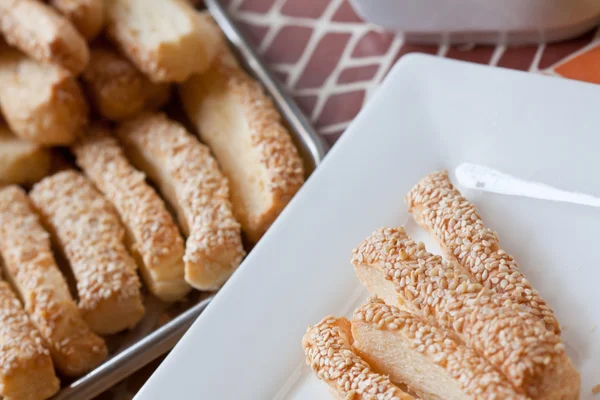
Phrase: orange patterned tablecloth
pixel 332 62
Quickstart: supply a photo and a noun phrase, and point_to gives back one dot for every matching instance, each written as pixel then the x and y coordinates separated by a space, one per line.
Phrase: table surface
pixel 332 62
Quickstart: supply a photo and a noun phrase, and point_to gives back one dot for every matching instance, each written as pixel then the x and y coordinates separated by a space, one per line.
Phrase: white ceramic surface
pixel 430 114
pixel 482 21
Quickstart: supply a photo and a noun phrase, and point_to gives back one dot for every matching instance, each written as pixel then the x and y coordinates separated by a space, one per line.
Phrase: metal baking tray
pixel 133 350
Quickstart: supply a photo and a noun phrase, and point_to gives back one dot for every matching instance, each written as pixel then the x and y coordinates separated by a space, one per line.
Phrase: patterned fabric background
pixel 332 62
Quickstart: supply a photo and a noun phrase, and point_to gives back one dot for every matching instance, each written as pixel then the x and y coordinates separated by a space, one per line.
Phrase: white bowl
pixel 482 21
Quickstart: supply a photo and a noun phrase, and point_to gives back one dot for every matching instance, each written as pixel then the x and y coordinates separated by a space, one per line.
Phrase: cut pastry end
pixel 43 34
pixel 41 103
pixel 86 15
pixel 328 350
pixel 431 361
pixel 211 272
pixel 114 314
pixel 117 89
pixel 21 162
pixel 168 40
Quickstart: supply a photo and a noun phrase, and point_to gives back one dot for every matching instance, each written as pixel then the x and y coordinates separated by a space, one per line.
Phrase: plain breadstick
pixel 86 15
pixel 21 162
pixel 41 102
pixel 152 236
pixel 30 266
pixel 87 229
pixel 328 350
pixel 43 34
pixel 239 123
pixel 26 371
pixel 429 360
pixel 190 180
pixel 117 89
pixel 405 275
pixel 455 223
pixel 168 40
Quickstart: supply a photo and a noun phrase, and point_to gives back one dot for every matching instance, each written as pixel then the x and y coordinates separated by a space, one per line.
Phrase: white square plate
pixel 429 114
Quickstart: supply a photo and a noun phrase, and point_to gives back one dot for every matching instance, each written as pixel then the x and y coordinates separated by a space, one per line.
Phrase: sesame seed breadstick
pixel 455 223
pixel 151 235
pixel 21 162
pixel 239 123
pixel 26 371
pixel 430 360
pixel 41 103
pixel 168 40
pixel 405 275
pixel 190 180
pixel 117 89
pixel 328 350
pixel 86 229
pixel 86 15
pixel 43 34
pixel 30 266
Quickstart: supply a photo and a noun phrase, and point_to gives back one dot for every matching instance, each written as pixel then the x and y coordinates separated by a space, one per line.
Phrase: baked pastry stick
pixel 40 102
pixel 168 40
pixel 21 162
pixel 86 15
pixel 26 371
pixel 43 34
pixel 405 275
pixel 190 180
pixel 243 129
pixel 151 235
pixel 455 223
pixel 429 360
pixel 117 89
pixel 30 266
pixel 86 228
pixel 328 350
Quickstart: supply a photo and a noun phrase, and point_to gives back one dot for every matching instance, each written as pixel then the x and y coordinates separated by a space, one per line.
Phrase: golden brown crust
pixel 41 103
pixel 21 162
pixel 190 179
pixel 117 89
pixel 455 223
pixel 86 15
pixel 238 121
pixel 166 39
pixel 88 231
pixel 473 374
pixel 26 371
pixel 405 275
pixel 43 34
pixel 30 264
pixel 328 350
pixel 153 237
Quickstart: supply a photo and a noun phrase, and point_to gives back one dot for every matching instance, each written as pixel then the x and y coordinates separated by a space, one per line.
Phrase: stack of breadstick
pixel 144 205
pixel 467 326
